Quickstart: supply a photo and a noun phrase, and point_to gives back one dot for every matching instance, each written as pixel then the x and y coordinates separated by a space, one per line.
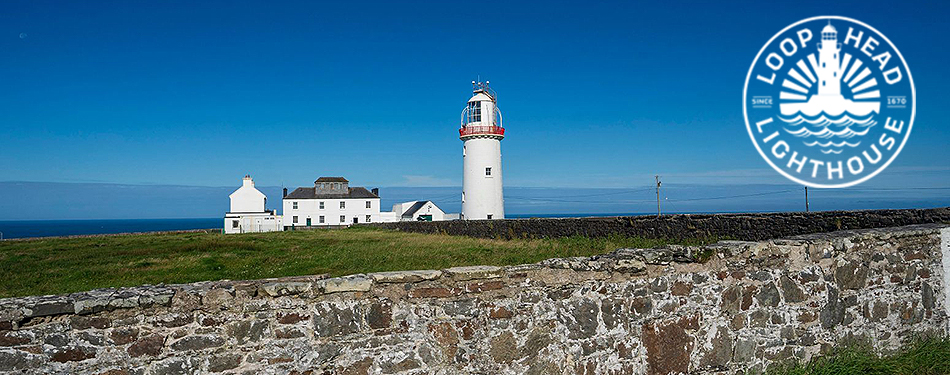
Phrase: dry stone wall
pixel 723 308
pixel 746 227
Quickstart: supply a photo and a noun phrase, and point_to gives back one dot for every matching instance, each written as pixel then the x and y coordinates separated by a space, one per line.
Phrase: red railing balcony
pixel 481 130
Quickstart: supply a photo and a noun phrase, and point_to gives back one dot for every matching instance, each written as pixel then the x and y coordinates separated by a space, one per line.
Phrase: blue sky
pixel 595 95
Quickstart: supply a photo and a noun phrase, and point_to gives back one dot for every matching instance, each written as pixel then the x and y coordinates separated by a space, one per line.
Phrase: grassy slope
pixel 62 265
pixel 929 356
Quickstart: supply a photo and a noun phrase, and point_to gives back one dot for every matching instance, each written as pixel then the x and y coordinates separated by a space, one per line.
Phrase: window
pixel 295 220
pixel 234 224
pixel 369 218
pixel 475 112
pixel 488 171
pixel 463 150
pixel 463 197
pixel 295 205
pixel 321 205
pixel 369 204
pixel 342 204
pixel 322 219
pixel 489 216
pixel 342 219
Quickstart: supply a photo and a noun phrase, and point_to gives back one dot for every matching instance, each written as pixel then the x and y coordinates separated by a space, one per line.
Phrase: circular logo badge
pixel 829 102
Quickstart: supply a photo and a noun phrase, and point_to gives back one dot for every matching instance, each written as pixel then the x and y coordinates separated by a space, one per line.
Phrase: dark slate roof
pixel 310 193
pixel 415 207
pixel 331 179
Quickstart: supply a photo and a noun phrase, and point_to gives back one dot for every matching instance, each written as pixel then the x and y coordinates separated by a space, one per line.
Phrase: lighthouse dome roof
pixel 829 29
pixel 480 97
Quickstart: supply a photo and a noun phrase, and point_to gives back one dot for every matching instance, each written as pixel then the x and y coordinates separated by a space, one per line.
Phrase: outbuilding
pixel 247 213
pixel 418 211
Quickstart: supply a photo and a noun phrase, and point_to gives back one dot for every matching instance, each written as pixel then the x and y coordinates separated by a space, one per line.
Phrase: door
pixel 355 220
pixel 308 221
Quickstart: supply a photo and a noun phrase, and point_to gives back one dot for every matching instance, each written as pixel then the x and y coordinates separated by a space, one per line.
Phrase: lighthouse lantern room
pixel 481 134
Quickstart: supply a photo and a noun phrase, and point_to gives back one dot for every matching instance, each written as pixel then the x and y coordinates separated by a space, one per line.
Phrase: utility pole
pixel 657 195
pixel 806 198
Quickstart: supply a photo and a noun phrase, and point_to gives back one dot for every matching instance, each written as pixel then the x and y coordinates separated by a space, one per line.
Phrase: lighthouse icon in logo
pixel 846 102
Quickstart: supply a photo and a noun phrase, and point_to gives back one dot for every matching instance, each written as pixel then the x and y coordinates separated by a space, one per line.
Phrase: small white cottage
pixel 418 211
pixel 247 212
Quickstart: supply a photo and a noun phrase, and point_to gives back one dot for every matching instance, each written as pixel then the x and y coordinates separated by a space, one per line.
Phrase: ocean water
pixel 48 228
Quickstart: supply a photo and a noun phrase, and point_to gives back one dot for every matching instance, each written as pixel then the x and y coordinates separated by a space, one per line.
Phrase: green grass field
pixel 928 356
pixel 63 265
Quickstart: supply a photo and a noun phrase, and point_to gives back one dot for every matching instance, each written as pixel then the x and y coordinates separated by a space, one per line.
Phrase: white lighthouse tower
pixel 481 136
pixel 829 75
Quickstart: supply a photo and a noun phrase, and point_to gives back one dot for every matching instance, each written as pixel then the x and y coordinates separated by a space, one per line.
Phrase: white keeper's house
pixel 247 213
pixel 330 202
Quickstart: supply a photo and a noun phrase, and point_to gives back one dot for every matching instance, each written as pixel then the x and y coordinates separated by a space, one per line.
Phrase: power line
pixel 577 201
pixel 735 196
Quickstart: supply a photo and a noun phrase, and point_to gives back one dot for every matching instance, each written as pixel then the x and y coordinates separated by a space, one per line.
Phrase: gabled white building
pixel 247 213
pixel 330 202
pixel 418 211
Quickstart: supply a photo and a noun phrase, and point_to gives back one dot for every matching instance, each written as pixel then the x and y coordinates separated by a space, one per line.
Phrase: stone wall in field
pixel 720 308
pixel 747 227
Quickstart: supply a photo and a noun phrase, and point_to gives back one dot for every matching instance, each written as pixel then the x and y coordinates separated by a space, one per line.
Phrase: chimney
pixel 285 192
pixel 376 191
pixel 248 181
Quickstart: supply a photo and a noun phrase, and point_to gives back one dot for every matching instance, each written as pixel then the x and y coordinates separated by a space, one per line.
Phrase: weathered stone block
pixel 14 338
pixel 223 362
pixel 51 307
pixel 247 330
pixel 851 275
pixel 83 322
pixel 220 298
pixel 484 286
pixel 668 346
pixel 330 320
pixel 768 295
pixel 286 288
pixel 292 318
pixel 500 313
pixel 790 289
pixel 149 345
pixel 503 348
pixel 289 333
pixel 18 361
pixel 357 283
pixel 122 336
pixel 198 342
pixel 681 288
pixel 580 318
pixel 380 315
pixel 73 354
pixel 405 276
pixel 431 292
pixel 473 272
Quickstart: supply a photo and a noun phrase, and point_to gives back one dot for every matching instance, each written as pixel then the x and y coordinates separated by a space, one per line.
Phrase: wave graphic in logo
pixel 824 127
